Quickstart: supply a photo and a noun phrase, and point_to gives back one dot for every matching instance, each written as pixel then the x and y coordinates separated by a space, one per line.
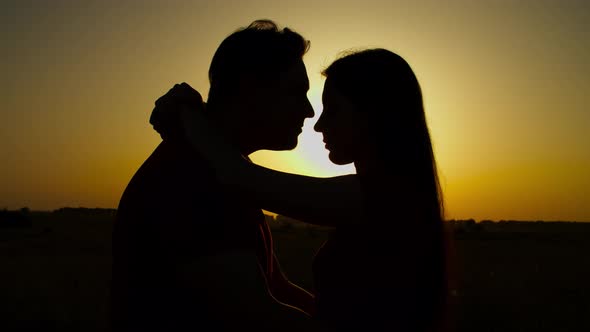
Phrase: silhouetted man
pixel 186 254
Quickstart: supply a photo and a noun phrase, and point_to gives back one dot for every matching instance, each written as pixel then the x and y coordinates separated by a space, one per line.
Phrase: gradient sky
pixel 506 89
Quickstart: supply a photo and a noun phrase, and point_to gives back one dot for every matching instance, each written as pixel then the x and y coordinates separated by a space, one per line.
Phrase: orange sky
pixel 506 88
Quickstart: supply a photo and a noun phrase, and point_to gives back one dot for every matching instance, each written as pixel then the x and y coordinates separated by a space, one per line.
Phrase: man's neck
pixel 234 128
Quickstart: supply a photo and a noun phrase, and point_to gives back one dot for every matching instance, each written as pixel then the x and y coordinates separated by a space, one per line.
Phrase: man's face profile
pixel 283 106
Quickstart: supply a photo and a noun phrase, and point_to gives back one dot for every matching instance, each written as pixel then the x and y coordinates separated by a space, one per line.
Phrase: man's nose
pixel 309 113
pixel 319 124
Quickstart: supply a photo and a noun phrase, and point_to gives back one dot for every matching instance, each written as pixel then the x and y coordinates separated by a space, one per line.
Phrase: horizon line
pixel 268 213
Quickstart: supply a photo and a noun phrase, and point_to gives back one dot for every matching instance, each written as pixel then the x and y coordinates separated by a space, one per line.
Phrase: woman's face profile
pixel 342 126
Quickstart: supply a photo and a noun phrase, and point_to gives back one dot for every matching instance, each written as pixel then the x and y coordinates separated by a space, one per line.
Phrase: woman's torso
pixel 359 282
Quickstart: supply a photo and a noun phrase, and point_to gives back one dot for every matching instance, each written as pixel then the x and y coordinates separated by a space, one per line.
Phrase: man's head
pixel 258 78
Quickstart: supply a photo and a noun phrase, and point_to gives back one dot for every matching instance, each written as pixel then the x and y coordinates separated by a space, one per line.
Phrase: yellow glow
pixel 505 88
pixel 310 157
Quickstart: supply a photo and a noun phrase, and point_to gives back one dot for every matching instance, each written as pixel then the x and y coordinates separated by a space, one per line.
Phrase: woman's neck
pixel 369 164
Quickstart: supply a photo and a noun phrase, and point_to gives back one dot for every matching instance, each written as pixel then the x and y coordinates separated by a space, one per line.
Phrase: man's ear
pixel 250 92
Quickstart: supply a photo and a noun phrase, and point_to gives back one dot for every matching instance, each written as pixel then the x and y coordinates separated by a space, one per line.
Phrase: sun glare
pixel 310 157
pixel 311 146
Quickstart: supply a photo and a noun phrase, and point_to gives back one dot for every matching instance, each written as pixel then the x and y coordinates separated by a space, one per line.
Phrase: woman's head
pixel 372 101
pixel 374 116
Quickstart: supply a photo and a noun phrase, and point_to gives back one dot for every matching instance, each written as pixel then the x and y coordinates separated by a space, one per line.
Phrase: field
pixel 513 276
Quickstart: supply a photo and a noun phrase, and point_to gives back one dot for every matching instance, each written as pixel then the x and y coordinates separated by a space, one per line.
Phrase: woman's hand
pixel 166 114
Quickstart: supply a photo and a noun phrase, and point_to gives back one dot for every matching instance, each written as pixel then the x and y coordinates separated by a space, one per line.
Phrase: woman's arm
pixel 322 201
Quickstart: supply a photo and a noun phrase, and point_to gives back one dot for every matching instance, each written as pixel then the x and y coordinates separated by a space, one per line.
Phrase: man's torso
pixel 171 213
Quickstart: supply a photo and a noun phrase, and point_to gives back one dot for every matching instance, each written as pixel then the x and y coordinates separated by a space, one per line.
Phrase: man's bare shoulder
pixel 176 160
pixel 173 170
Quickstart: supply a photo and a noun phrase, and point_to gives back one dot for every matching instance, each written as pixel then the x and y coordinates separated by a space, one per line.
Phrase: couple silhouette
pixel 191 247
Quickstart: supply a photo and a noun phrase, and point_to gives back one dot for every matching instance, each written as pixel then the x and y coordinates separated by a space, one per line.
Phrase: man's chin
pixel 283 146
pixel 339 160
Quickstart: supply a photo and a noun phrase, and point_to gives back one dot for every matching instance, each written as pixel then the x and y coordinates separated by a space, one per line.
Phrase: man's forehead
pixel 296 76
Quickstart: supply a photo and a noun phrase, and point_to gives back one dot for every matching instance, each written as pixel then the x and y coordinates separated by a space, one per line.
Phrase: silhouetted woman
pixel 384 268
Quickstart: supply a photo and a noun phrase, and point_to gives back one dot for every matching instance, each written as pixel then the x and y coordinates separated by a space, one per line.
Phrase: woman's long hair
pixel 382 85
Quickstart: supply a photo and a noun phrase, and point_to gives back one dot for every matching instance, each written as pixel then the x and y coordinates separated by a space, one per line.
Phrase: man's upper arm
pixel 213 252
pixel 191 218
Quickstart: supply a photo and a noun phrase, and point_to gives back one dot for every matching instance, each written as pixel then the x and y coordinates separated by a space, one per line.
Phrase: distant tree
pixel 15 219
pixel 469 225
pixel 82 211
pixel 486 224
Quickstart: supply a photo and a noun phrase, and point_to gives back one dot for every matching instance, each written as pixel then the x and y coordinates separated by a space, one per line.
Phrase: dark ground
pixel 512 276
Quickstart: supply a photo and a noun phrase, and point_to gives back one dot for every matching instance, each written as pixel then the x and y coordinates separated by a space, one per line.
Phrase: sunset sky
pixel 506 89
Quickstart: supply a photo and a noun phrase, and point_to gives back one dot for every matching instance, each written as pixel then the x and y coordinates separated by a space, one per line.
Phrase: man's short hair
pixel 261 50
